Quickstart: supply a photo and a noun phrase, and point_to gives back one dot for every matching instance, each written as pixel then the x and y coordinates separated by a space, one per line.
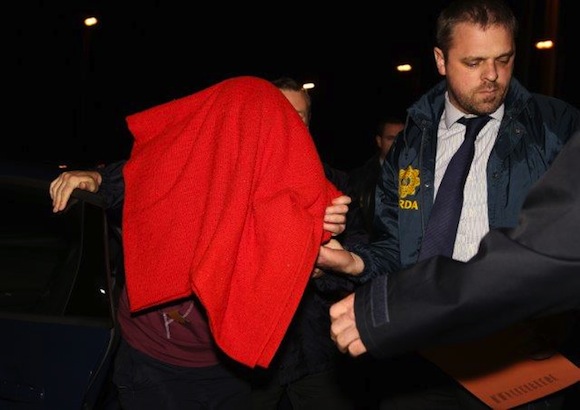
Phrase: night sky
pixel 71 87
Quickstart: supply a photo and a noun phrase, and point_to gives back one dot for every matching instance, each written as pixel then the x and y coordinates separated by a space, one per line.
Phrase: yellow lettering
pixel 407 204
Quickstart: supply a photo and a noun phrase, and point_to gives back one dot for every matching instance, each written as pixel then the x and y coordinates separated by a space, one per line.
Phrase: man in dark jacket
pixel 475 298
pixel 454 301
pixel 475 52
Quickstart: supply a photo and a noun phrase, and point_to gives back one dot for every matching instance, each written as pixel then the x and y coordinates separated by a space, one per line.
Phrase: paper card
pixel 501 370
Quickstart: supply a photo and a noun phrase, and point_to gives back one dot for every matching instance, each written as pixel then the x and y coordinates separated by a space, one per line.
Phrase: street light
pixel 91 21
pixel 544 44
pixel 404 67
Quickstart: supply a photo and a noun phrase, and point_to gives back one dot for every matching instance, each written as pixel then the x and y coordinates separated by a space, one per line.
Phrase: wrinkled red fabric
pixel 225 196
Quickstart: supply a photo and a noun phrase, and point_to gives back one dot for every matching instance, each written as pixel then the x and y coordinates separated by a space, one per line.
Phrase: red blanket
pixel 225 196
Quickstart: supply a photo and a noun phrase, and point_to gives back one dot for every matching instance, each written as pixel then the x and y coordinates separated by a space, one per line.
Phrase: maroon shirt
pixel 177 334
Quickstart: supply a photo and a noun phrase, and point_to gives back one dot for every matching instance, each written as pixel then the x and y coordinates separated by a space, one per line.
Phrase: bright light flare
pixel 544 44
pixel 91 21
pixel 404 67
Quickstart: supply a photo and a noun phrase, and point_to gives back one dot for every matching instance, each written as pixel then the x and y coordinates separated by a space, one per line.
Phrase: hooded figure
pixel 225 197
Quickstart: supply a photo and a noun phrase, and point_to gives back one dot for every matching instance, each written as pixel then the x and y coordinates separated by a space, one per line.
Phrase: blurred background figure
pixel 363 179
pixel 387 131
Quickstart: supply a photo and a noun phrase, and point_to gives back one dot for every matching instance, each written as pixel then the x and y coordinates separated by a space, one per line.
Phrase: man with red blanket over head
pixel 232 211
pixel 225 208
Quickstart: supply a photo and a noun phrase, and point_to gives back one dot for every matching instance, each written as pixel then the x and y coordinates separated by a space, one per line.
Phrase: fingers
pixel 356 348
pixel 59 193
pixel 342 200
pixel 332 256
pixel 342 307
pixel 336 212
pixel 329 258
pixel 336 219
pixel 346 336
pixel 334 228
pixel 343 330
pixel 335 215
pixel 62 187
pixel 342 322
pixel 333 244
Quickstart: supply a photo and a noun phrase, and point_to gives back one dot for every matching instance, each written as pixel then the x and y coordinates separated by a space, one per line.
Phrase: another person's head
pixel 387 130
pixel 297 95
pixel 475 52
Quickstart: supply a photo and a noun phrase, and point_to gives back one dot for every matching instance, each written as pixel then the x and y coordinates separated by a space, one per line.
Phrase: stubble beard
pixel 484 100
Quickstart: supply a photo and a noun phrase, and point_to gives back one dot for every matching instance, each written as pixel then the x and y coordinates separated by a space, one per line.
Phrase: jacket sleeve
pixel 381 256
pixel 112 187
pixel 527 272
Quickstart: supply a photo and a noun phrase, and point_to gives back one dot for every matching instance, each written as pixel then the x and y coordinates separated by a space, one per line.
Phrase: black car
pixel 60 275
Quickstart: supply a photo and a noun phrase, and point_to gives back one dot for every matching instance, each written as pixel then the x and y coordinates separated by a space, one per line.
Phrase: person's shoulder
pixel 521 92
pixel 556 107
pixel 550 108
pixel 548 99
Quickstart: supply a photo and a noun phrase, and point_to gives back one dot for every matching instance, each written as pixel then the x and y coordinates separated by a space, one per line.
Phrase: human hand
pixel 332 256
pixel 332 244
pixel 343 331
pixel 335 215
pixel 62 186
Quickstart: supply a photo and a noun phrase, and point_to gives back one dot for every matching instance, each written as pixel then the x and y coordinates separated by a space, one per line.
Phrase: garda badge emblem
pixel 408 182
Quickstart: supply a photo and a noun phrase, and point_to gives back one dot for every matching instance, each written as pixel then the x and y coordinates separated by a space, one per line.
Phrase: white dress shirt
pixel 474 222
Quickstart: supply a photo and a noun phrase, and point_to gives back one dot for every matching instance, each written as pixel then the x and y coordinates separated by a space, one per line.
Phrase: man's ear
pixel 439 60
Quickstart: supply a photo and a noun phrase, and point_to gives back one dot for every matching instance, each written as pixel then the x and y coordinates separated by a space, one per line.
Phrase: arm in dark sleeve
pixel 530 271
pixel 112 187
pixel 382 256
pixel 336 284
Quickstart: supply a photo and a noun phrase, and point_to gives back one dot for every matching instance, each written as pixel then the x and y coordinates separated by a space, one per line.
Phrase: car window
pixel 52 264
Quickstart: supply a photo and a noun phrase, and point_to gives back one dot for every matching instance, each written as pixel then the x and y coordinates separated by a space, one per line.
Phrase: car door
pixel 56 299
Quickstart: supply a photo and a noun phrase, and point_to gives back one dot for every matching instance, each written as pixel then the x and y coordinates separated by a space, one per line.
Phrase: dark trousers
pixel 313 392
pixel 145 383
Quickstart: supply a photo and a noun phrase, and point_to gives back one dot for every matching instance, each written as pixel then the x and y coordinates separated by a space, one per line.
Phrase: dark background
pixel 70 87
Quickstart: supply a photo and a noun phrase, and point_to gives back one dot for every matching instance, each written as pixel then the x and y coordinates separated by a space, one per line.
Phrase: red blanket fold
pixel 225 196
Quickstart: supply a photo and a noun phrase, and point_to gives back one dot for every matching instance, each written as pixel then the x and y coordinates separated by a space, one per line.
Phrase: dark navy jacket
pixel 533 130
